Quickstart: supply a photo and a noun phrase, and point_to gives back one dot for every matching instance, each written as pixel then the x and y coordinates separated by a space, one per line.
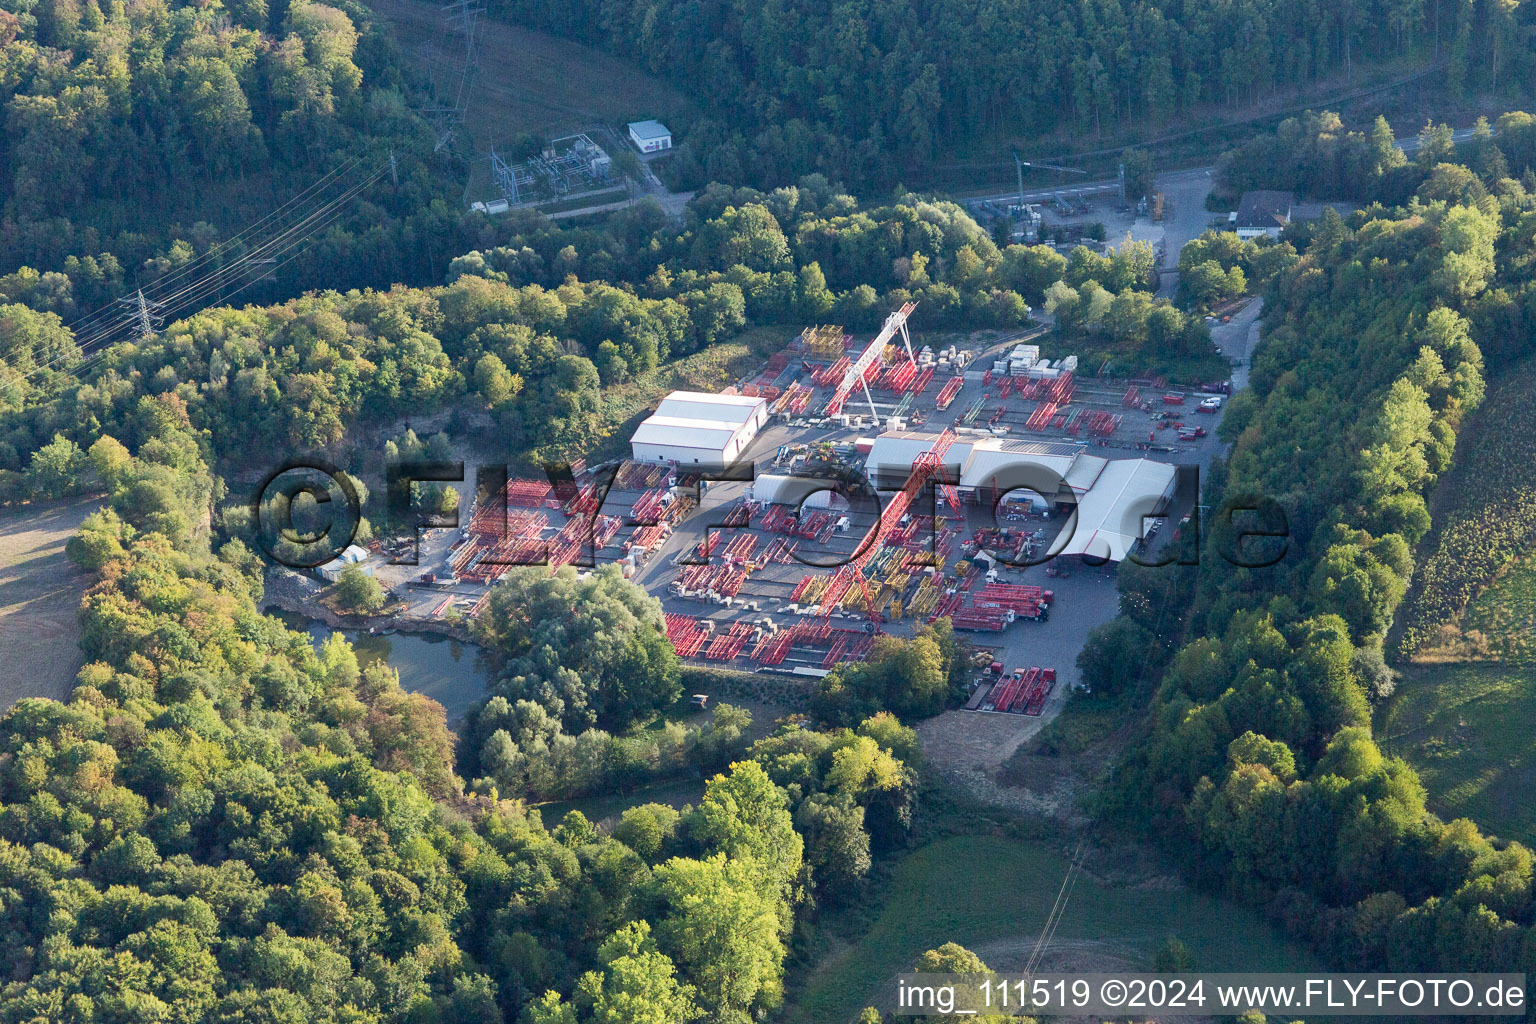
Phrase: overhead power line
pixel 294 225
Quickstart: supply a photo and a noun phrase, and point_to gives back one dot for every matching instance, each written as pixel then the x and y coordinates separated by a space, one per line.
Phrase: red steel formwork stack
pixel 898 378
pixel 983 618
pixel 740 548
pixel 1102 424
pixel 1027 602
pixel 647 507
pixel 529 493
pixel 586 501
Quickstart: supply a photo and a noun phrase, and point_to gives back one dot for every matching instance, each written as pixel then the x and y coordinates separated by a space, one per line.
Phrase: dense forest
pixel 225 823
pixel 138 139
pixel 528 332
pixel 1258 749
pixel 867 92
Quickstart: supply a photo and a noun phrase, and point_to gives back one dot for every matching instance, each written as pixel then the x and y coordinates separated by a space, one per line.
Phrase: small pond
pixel 452 673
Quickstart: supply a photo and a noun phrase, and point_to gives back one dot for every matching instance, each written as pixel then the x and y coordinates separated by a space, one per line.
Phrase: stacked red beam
pixel 646 537
pixel 829 376
pixel 898 377
pixel 1023 599
pixel 728 645
pixel 585 502
pixel 950 390
pixel 1041 417
pixel 740 548
pixel 647 508
pixel 1006 389
pixel 1032 701
pixel 1062 389
pixel 1132 396
pixel 777 551
pixel 835 652
pixel 686 636
pixel 923 380
pixel 1003 693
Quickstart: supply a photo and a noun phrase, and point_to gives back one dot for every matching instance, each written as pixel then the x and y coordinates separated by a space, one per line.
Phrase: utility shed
pixel 695 428
pixel 650 136
pixel 351 556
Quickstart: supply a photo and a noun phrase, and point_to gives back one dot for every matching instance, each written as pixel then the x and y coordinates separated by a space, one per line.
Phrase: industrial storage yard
pixel 787 522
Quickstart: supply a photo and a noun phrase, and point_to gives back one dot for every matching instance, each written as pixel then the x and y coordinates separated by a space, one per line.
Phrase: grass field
pixel 1467 730
pixel 1502 620
pixel 1485 522
pixel 529 81
pixel 992 894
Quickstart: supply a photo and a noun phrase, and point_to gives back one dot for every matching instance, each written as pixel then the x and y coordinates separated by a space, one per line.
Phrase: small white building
pixel 695 428
pixel 351 556
pixel 650 136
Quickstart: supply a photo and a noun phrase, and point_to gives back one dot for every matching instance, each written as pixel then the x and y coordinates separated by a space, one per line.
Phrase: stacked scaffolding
pixel 795 400
pixel 825 341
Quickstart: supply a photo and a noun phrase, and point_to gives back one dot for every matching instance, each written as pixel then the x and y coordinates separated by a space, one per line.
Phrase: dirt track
pixel 39 597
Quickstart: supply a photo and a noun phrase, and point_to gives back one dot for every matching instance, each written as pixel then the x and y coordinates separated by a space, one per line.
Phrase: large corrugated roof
pixel 1039 465
pixel 685 432
pixel 701 405
pixel 1109 515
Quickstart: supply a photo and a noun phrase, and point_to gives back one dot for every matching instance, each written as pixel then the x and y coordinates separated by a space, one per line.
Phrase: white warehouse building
pixel 695 428
pixel 650 136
